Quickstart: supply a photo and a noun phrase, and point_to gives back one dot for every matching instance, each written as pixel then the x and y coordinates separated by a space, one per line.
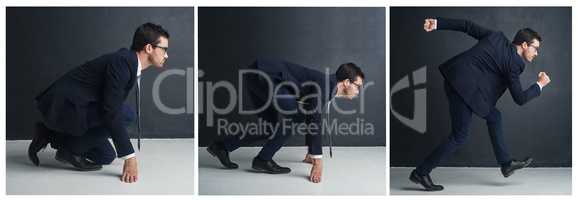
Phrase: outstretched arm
pixel 117 76
pixel 466 26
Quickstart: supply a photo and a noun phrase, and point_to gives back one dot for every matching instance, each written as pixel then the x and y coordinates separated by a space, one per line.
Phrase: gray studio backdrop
pixel 541 128
pixel 318 38
pixel 44 43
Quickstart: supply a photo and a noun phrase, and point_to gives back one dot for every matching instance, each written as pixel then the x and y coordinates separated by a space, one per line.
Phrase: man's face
pixel 352 88
pixel 530 50
pixel 158 53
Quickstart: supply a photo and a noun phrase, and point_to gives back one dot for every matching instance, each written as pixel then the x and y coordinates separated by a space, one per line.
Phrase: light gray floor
pixel 486 181
pixel 165 167
pixel 351 171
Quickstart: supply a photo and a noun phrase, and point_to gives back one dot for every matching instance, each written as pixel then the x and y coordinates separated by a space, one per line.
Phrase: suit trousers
pixel 274 138
pixel 461 117
pixel 94 144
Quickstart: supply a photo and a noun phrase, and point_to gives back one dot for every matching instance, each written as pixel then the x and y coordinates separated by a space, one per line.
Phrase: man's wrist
pixel 317 161
pixel 539 85
pixel 129 157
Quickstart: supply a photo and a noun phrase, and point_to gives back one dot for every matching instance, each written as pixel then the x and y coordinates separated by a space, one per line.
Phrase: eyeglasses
pixel 164 48
pixel 535 47
pixel 357 85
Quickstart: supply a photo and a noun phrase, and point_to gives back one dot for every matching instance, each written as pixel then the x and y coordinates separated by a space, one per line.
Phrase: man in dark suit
pixel 474 81
pixel 278 88
pixel 85 107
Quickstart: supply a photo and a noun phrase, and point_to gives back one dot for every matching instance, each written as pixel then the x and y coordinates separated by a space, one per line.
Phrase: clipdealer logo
pixel 234 104
pixel 308 104
pixel 419 121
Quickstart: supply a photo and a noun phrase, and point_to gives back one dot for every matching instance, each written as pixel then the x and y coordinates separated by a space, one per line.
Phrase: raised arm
pixel 466 26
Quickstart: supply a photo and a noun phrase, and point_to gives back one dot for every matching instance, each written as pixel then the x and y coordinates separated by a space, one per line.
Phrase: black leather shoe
pixel 508 169
pixel 79 162
pixel 39 142
pixel 269 166
pixel 424 181
pixel 218 150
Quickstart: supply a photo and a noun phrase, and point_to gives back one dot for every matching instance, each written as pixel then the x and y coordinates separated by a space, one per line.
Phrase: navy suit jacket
pixel 481 74
pixel 98 87
pixel 307 80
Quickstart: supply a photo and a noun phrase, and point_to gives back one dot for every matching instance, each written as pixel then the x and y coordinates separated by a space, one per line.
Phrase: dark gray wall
pixel 318 38
pixel 541 128
pixel 44 43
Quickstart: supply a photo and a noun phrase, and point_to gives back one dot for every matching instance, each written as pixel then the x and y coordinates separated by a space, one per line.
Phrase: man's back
pixel 304 78
pixel 482 73
pixel 86 82
pixel 103 82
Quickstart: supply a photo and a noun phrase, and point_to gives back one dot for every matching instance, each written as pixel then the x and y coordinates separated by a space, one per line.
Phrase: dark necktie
pixel 328 133
pixel 138 122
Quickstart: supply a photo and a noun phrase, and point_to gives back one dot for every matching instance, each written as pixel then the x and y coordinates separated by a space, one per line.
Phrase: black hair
pixel 526 35
pixel 147 33
pixel 348 71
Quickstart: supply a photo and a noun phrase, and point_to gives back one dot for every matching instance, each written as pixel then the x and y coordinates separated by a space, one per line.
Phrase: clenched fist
pixel 430 25
pixel 543 79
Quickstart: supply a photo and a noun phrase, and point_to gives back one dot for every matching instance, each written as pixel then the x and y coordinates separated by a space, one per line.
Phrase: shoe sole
pixel 417 182
pixel 76 168
pixel 34 159
pixel 215 155
pixel 32 153
pixel 261 170
pixel 526 165
pixel 211 152
pixel 413 180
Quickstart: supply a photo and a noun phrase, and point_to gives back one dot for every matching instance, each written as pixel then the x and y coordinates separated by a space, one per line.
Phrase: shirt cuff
pixel 435 27
pixel 316 156
pixel 128 156
pixel 540 86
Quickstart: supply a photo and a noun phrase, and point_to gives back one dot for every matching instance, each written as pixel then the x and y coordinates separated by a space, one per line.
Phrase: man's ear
pixel 148 48
pixel 346 82
pixel 524 45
